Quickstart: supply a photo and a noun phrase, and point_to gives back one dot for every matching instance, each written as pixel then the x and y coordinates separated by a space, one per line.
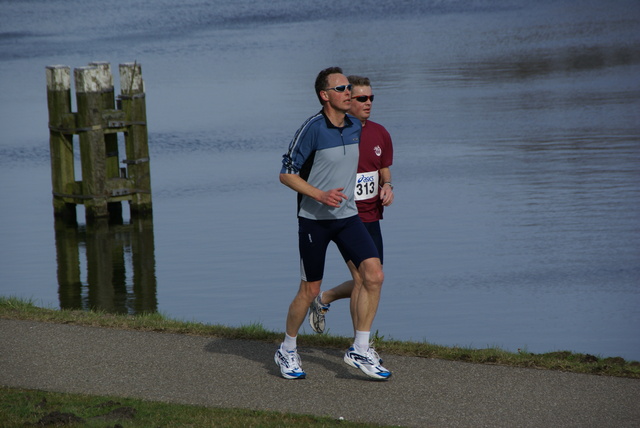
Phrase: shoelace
pixel 374 355
pixel 294 358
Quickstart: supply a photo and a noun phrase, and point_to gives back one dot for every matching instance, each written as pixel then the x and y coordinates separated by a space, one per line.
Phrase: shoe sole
pixel 355 365
pixel 289 377
pixel 312 324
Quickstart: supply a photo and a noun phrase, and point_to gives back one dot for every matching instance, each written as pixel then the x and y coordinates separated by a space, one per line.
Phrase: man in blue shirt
pixel 321 166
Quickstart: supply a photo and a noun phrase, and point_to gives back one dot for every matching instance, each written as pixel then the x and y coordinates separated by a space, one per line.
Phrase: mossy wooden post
pixel 112 165
pixel 136 139
pixel 92 150
pixel 61 130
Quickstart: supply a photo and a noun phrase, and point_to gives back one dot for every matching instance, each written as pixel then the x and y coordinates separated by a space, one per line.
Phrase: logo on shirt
pixel 377 150
pixel 365 179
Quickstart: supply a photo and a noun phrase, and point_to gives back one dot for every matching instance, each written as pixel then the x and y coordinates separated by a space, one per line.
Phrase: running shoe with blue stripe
pixel 289 363
pixel 369 363
pixel 317 310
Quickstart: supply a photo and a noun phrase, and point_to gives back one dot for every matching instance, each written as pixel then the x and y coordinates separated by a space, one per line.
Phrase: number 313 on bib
pixel 366 185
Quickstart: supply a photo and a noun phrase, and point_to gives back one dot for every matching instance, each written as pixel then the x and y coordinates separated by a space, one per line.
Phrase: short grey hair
pixel 359 81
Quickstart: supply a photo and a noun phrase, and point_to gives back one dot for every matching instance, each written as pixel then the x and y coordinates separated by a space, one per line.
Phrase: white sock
pixel 289 343
pixel 361 343
pixel 320 297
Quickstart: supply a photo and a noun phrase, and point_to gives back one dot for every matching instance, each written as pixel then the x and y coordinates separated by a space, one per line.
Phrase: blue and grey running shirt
pixel 327 158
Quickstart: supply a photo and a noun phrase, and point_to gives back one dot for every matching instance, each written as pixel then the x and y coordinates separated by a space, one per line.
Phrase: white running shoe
pixel 289 363
pixel 316 314
pixel 369 363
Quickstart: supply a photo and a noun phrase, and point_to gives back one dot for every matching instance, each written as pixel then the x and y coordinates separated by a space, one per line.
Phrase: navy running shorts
pixel 376 234
pixel 314 236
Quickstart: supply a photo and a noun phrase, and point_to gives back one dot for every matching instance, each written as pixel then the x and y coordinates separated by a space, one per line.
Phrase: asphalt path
pixel 214 372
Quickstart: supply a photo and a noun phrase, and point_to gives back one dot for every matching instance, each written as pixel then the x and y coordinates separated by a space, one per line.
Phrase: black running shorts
pixel 349 234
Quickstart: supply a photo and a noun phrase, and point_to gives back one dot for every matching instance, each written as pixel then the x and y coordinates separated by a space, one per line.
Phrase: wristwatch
pixel 389 183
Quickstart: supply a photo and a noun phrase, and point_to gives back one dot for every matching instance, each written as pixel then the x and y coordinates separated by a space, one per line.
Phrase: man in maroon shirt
pixel 373 192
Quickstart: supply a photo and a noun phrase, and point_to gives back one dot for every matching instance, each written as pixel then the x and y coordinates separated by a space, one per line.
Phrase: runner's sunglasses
pixel 340 88
pixel 363 98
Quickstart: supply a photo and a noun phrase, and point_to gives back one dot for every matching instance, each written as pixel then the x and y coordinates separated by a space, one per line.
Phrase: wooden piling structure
pixel 99 119
pixel 61 130
pixel 112 165
pixel 133 104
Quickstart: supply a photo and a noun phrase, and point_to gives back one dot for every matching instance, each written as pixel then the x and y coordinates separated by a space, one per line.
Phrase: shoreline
pixel 566 361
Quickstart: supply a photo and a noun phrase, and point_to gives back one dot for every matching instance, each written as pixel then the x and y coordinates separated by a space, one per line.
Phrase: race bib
pixel 366 185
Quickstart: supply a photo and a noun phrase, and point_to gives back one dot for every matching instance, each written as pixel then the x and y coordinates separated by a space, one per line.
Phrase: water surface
pixel 517 163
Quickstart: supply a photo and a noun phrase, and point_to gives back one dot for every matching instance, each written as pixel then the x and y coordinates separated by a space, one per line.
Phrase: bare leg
pixel 368 295
pixel 347 289
pixel 300 305
pixel 357 286
pixel 341 291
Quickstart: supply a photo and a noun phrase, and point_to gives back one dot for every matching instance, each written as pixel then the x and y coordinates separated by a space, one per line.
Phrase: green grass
pixel 20 407
pixel 15 308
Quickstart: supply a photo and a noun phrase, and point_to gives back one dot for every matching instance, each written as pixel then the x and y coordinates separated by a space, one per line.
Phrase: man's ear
pixel 324 96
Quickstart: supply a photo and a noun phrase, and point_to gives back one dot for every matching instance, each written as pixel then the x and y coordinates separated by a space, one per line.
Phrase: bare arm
pixel 386 192
pixel 331 197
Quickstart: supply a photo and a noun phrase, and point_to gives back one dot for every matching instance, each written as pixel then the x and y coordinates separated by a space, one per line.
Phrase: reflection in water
pixel 108 250
pixel 517 162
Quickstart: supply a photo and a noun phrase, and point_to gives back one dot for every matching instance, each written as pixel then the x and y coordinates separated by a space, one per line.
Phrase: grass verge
pixel 15 308
pixel 21 407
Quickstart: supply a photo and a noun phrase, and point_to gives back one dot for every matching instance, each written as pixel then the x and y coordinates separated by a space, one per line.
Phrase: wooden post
pixel 112 163
pixel 61 129
pixel 104 184
pixel 89 85
pixel 136 139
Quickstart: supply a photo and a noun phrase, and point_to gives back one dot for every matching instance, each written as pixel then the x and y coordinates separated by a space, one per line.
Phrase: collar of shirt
pixel 347 121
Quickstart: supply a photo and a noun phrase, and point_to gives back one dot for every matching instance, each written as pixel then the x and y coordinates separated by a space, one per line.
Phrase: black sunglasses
pixel 363 98
pixel 340 88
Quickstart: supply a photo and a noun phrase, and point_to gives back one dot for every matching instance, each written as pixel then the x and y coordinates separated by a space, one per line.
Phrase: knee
pixel 378 278
pixel 373 277
pixel 310 289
